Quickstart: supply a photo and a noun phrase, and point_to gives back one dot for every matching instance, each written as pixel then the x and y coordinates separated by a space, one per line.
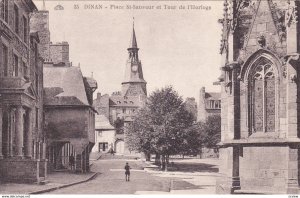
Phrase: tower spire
pixel 134 82
pixel 133 43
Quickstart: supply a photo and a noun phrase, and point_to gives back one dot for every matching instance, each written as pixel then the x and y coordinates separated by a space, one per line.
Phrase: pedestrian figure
pixel 72 162
pixel 127 171
pixel 112 151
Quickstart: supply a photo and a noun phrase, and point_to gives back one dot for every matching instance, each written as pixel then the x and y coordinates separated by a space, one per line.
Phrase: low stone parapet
pixel 20 170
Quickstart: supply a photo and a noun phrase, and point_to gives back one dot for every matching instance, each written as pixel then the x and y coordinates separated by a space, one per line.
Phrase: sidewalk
pixel 188 182
pixel 55 180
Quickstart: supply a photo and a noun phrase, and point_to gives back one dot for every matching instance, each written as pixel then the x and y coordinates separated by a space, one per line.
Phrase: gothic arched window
pixel 262 97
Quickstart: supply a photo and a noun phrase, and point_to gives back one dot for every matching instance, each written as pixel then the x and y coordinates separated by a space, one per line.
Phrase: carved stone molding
pixel 291 14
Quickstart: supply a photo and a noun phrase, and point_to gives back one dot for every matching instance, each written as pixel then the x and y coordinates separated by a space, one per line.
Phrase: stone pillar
pixel 229 170
pixel 11 132
pixel 87 158
pixel 236 168
pixel 292 181
pixel 1 132
pixel 291 102
pixel 44 150
pixel 19 131
pixel 232 116
pixel 78 163
pixel 291 30
pixel 28 146
pixel 84 160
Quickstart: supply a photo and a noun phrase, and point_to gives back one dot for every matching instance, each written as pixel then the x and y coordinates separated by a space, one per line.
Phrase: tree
pixel 194 139
pixel 161 127
pixel 209 132
pixel 213 131
pixel 119 125
pixel 139 133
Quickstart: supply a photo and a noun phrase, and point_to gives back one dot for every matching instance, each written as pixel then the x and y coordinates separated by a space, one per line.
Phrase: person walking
pixel 127 171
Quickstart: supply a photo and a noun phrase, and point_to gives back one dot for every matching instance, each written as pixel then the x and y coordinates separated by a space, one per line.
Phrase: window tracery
pixel 262 97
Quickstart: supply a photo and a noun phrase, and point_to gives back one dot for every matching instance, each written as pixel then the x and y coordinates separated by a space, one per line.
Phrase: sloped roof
pixel 129 101
pixel 213 96
pixel 101 122
pixel 92 82
pixel 64 86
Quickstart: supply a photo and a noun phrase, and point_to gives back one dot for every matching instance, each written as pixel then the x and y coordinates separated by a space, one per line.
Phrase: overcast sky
pixel 177 47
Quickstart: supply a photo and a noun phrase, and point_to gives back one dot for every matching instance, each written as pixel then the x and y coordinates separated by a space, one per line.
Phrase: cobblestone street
pixel 111 179
pixel 198 178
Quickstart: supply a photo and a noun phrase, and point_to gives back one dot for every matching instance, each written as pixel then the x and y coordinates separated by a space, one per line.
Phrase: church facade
pixel 121 106
pixel 259 148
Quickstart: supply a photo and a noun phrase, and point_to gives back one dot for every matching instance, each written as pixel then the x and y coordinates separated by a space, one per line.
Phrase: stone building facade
pixel 59 52
pixel 22 140
pixel 69 117
pixel 68 98
pixel 209 104
pixel 260 143
pixel 120 107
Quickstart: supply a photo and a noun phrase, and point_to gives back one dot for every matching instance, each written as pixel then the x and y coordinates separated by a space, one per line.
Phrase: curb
pixel 99 157
pixel 64 186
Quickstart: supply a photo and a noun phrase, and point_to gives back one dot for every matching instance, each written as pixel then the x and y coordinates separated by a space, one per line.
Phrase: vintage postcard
pixel 140 97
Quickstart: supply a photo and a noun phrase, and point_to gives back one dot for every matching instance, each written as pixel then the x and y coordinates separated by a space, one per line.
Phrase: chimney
pixel 201 106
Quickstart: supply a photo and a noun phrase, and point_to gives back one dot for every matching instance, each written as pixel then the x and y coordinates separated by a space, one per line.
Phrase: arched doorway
pixel 119 147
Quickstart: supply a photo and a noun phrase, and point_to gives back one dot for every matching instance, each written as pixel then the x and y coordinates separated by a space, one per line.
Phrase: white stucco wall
pixel 106 136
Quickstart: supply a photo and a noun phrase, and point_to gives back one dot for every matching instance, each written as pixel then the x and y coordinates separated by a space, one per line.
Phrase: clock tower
pixel 134 83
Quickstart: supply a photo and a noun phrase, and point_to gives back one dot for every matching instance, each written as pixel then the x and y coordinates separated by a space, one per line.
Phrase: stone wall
pixel 59 52
pixel 66 123
pixel 264 168
pixel 43 168
pixel 259 148
pixel 23 170
pixel 39 22
pixel 101 104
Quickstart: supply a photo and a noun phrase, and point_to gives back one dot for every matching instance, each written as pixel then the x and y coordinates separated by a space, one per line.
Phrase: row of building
pixel 115 112
pixel 46 112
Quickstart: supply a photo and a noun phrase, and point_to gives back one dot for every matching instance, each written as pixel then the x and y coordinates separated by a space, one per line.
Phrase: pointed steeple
pixel 133 73
pixel 133 43
pixel 133 49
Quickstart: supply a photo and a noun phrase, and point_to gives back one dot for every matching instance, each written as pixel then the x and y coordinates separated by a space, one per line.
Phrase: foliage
pixel 119 125
pixel 213 131
pixel 194 139
pixel 165 127
pixel 162 126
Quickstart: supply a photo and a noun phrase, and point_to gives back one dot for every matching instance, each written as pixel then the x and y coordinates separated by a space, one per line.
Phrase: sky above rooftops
pixel 177 47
